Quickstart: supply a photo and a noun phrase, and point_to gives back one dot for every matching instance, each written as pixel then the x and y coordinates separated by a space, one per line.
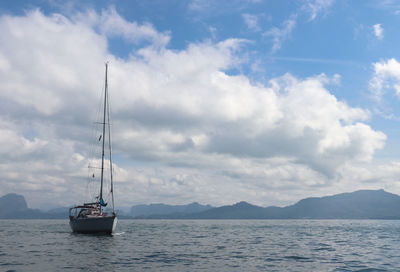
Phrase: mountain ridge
pixel 361 204
pixel 164 209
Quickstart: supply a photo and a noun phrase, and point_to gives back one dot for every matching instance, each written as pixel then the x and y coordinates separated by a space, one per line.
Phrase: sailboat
pixel 92 217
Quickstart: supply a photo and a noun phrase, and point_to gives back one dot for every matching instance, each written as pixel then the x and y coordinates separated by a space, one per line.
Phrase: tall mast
pixel 104 132
pixel 110 150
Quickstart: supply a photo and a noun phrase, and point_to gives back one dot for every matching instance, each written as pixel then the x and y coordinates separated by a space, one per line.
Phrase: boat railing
pixel 92 208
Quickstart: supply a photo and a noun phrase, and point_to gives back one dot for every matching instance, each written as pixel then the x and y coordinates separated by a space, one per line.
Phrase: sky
pixel 264 101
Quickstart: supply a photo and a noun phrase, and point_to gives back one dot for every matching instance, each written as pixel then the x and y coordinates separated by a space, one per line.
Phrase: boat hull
pixel 104 224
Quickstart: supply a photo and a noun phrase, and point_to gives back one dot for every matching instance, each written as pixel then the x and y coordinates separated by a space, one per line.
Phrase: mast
pixel 109 148
pixel 104 132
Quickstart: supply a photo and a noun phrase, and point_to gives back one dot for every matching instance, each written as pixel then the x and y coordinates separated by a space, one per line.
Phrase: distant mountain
pixel 364 204
pixel 59 210
pixel 14 206
pixel 241 210
pixel 12 203
pixel 161 210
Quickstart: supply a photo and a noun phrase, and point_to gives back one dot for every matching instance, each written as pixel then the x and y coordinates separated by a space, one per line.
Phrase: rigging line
pixel 94 149
pixel 94 167
pixel 100 123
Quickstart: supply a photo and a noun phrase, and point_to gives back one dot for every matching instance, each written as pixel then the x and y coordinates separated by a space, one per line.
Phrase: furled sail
pixel 102 202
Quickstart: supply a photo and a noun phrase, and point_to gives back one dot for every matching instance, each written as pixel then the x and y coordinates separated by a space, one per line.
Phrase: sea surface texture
pixel 215 245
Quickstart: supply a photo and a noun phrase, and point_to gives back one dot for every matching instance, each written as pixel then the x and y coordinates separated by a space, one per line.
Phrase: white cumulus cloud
pixel 386 77
pixel 184 129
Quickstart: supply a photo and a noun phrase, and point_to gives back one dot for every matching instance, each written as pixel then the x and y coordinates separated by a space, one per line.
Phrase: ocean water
pixel 203 245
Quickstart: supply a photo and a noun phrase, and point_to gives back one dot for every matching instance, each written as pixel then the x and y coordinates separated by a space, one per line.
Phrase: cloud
pixel 386 77
pixel 251 21
pixel 184 129
pixel 390 5
pixel 213 31
pixel 384 87
pixel 202 9
pixel 197 5
pixel 378 31
pixel 279 35
pixel 111 24
pixel 315 7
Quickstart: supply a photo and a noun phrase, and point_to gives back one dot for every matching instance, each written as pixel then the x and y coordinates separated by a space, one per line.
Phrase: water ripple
pixel 185 245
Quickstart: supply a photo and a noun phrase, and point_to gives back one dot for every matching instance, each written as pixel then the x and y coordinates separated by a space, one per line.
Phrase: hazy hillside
pixel 12 203
pixel 364 204
pixel 14 206
pixel 163 209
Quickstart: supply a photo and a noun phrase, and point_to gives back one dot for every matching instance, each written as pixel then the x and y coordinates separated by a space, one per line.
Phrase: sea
pixel 203 245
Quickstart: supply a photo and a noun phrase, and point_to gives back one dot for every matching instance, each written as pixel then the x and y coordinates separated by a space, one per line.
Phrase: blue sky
pixel 213 101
